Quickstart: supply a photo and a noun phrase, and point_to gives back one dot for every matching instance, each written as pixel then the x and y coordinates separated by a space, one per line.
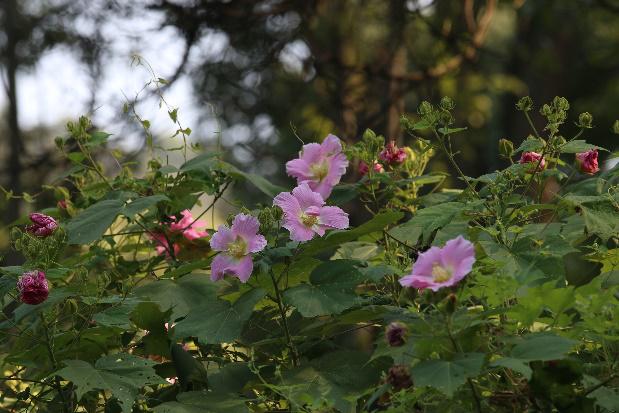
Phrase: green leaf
pixel 426 222
pixel 577 146
pixel 610 278
pixel 449 131
pixel 204 402
pixel 542 347
pixel 140 204
pixel 218 321
pixel 180 295
pixel 98 138
pixel 335 238
pixel 261 183
pixel 448 376
pixel 530 145
pixel 517 365
pixel 122 374
pixel 336 379
pixel 331 289
pixel 92 222
pixel 204 163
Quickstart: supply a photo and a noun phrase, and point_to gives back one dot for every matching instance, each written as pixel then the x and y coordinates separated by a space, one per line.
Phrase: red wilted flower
pixel 392 154
pixel 42 225
pixel 33 288
pixel 399 377
pixel 396 334
pixel 62 204
pixel 533 158
pixel 588 161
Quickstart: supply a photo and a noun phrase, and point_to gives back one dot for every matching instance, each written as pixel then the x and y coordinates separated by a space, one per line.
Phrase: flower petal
pixel 288 203
pixel 306 197
pixel 333 217
pixel 222 238
pixel 224 264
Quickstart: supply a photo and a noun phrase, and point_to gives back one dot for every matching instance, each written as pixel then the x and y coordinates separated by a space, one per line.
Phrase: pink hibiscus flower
pixel 305 214
pixel 364 168
pixel 236 244
pixel 319 165
pixel 533 158
pixel 42 225
pixel 442 267
pixel 588 161
pixel 186 226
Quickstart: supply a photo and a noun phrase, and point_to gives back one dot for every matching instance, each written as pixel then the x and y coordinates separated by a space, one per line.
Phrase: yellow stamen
pixel 238 248
pixel 440 274
pixel 309 220
pixel 320 170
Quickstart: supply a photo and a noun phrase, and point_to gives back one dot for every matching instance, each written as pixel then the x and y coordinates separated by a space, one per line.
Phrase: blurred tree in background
pixel 311 67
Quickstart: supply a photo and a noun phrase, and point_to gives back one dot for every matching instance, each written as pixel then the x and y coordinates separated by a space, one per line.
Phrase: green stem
pixel 282 312
pixel 459 350
pixel 52 358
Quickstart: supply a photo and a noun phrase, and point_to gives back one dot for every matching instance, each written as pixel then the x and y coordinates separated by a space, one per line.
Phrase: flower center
pixel 320 170
pixel 237 248
pixel 440 274
pixel 309 220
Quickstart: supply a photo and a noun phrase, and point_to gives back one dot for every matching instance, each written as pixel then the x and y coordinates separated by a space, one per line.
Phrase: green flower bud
pixel 450 303
pixel 560 103
pixel 506 148
pixel 585 120
pixel 616 127
pixel 545 110
pixel 425 108
pixel 447 103
pixel 525 104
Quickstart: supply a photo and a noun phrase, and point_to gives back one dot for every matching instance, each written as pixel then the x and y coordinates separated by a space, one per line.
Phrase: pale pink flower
pixel 442 267
pixel 319 165
pixel 171 380
pixel 305 213
pixel 42 225
pixel 392 154
pixel 533 158
pixel 588 161
pixel 236 244
pixel 33 288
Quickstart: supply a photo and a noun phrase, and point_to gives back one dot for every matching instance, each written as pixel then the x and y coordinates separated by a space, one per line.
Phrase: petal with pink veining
pixel 222 238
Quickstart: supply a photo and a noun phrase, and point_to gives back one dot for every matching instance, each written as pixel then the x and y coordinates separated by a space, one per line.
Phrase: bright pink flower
pixel 442 267
pixel 236 244
pixel 33 288
pixel 392 154
pixel 305 214
pixel 42 225
pixel 588 161
pixel 319 165
pixel 186 226
pixel 162 246
pixel 533 158
pixel 363 167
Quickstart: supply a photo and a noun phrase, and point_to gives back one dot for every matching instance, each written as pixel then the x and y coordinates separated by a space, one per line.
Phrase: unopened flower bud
pixel 447 103
pixel 585 120
pixel 42 225
pixel 33 288
pixel 450 303
pixel 588 161
pixel 425 108
pixel 616 127
pixel 396 334
pixel 399 377
pixel 524 104
pixel 506 148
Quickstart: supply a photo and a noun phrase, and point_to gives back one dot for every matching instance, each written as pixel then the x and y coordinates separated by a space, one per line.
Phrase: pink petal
pixel 247 226
pixel 311 153
pixel 222 238
pixel 333 217
pixel 288 203
pixel 331 145
pixel 224 264
pixel 298 168
pixel 298 231
pixel 425 262
pixel 306 197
